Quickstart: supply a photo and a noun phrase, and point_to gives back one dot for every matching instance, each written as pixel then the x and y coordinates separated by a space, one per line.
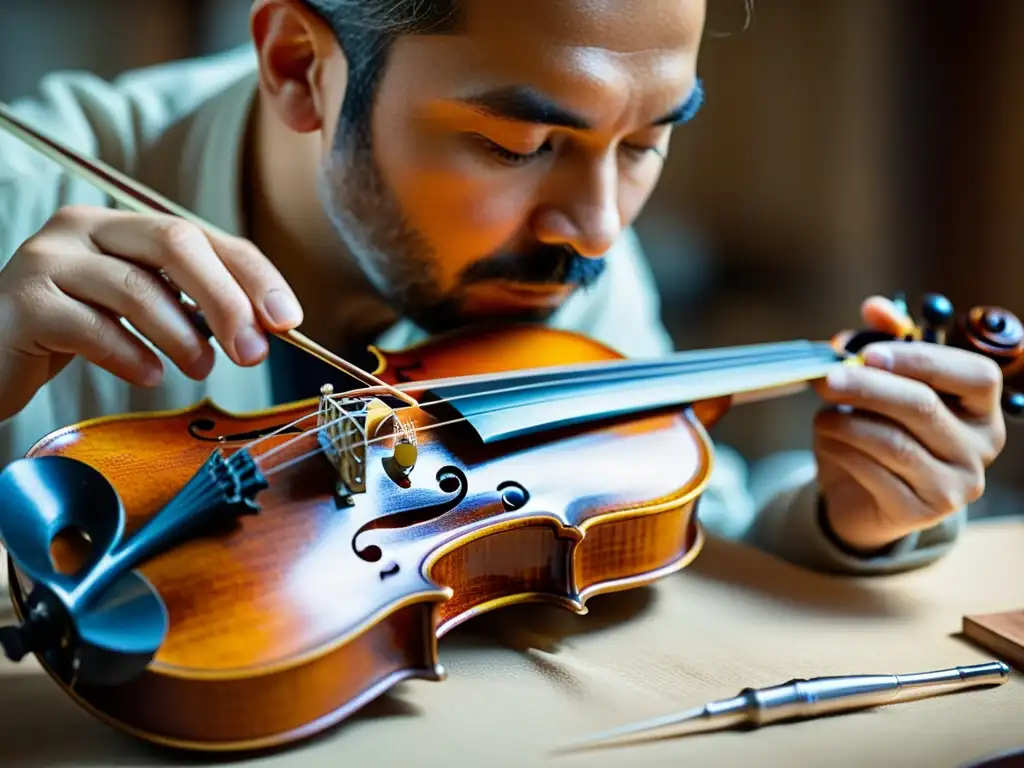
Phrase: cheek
pixel 467 208
pixel 470 215
pixel 462 204
pixel 463 209
pixel 636 185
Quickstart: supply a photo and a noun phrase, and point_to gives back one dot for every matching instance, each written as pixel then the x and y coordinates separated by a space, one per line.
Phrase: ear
pixel 294 47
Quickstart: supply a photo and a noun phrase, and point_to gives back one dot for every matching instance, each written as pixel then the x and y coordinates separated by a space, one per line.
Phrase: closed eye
pixel 510 157
pixel 506 155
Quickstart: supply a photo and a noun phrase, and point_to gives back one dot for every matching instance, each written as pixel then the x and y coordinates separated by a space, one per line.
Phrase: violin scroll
pixel 999 335
pixel 994 332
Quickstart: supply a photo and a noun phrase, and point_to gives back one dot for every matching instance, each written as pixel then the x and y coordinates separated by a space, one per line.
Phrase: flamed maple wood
pixel 326 607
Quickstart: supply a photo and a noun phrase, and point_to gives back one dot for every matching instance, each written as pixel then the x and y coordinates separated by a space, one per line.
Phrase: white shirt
pixel 178 128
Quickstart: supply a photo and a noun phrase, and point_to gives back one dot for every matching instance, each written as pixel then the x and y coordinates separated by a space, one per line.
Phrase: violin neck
pixel 524 403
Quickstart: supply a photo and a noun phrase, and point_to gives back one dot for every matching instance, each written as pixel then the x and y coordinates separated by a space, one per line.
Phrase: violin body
pixel 521 464
pixel 327 605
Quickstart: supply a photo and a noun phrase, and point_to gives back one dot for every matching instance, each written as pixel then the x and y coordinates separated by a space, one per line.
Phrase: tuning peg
pixel 1013 403
pixel 909 332
pixel 939 315
pixel 999 335
pixel 899 300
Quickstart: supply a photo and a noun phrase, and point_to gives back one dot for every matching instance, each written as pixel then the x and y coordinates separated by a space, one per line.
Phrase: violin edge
pixel 209 697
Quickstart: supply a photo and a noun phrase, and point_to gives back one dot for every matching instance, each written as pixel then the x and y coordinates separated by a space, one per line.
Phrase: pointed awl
pixel 802 699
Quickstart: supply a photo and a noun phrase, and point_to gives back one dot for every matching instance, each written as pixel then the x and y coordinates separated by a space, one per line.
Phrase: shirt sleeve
pixel 789 523
pixel 84 113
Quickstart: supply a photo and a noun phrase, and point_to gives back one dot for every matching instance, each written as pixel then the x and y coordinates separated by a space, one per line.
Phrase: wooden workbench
pixel 524 680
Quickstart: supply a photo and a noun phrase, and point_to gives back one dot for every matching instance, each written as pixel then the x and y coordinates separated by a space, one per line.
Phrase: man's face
pixel 507 159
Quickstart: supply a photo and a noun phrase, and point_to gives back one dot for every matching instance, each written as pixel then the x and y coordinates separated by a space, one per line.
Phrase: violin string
pixel 368 441
pixel 597 373
pixel 750 351
pixel 287 464
pixel 597 377
pixel 441 401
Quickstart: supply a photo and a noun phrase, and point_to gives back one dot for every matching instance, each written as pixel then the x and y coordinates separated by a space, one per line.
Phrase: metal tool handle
pixel 826 695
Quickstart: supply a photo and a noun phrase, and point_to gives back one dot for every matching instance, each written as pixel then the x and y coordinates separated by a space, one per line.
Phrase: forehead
pixel 608 59
pixel 623 25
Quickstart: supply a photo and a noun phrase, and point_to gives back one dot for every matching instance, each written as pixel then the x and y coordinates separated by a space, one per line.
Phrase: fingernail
pixel 152 376
pixel 282 308
pixel 878 357
pixel 250 345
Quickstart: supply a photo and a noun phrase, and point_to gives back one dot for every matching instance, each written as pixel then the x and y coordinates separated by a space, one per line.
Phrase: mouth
pixel 505 296
pixel 533 290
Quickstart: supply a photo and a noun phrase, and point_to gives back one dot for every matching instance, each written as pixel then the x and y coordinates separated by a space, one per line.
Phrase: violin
pixel 181 575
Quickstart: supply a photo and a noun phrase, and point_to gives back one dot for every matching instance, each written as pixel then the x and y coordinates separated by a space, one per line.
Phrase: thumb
pixel 882 314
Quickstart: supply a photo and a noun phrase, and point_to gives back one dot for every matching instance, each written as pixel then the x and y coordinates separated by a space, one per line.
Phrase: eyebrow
pixel 523 104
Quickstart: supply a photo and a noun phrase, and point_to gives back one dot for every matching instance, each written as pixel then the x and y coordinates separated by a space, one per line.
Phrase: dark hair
pixel 366 29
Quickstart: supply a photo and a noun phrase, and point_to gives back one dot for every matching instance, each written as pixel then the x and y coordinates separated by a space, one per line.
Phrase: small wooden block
pixel 1002 633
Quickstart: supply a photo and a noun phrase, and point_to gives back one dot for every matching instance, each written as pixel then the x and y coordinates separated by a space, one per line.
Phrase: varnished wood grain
pixel 327 606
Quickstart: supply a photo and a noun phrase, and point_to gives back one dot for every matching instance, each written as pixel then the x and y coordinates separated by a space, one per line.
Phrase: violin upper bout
pixel 491 349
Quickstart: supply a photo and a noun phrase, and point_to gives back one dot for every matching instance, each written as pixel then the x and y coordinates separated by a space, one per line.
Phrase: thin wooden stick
pixel 139 198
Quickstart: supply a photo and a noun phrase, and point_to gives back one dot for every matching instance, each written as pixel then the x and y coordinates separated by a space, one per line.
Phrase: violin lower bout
pixel 296 702
pixel 547 564
pixel 265 649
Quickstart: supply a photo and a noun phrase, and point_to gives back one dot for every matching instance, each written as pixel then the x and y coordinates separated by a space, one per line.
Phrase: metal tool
pixel 803 699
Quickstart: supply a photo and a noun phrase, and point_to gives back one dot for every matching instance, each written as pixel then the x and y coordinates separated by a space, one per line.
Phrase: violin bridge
pixel 347 425
pixel 342 435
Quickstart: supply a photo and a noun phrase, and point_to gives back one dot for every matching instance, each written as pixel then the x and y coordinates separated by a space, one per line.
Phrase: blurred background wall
pixel 847 147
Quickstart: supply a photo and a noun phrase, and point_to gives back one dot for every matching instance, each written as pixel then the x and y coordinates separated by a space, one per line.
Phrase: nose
pixel 584 212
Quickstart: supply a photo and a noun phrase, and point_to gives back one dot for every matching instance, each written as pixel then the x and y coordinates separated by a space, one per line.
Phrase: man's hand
pixel 65 290
pixel 925 425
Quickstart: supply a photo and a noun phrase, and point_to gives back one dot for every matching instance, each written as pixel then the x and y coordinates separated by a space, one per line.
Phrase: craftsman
pixel 394 168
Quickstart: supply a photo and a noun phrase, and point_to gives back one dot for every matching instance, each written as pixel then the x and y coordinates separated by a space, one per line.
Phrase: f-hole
pixel 70 550
pixel 453 484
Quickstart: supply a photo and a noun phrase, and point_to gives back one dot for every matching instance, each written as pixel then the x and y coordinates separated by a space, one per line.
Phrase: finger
pixel 911 404
pixel 841 339
pixel 188 258
pixel 892 495
pixel 279 310
pixel 183 252
pixel 882 314
pixel 68 326
pixel 975 380
pixel 143 299
pixel 939 486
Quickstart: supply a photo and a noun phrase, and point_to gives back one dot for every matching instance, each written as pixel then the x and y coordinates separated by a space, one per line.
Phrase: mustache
pixel 544 264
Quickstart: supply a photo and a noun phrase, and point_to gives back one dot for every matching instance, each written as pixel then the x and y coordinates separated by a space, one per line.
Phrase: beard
pixel 400 263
